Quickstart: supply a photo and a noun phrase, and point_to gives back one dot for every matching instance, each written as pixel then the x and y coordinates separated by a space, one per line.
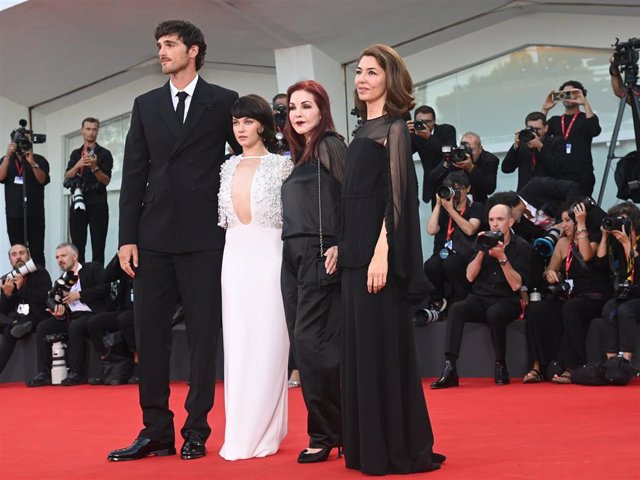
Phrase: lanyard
pixel 19 167
pixel 569 258
pixel 450 226
pixel 566 133
pixel 534 160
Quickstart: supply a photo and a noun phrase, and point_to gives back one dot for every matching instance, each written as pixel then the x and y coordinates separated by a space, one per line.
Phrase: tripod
pixel 630 81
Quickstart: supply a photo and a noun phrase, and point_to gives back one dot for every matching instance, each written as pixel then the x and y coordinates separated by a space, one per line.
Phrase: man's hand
pixel 19 280
pixel 331 262
pixel 497 252
pixel 447 203
pixel 411 127
pixel 578 97
pixel 7 286
pixel 535 144
pixel 467 164
pixel 424 133
pixel 71 297
pixel 516 140
pixel 59 311
pixel 549 102
pixel 11 149
pixel 128 255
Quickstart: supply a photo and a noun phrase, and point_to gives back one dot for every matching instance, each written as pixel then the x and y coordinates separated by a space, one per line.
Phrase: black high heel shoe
pixel 316 457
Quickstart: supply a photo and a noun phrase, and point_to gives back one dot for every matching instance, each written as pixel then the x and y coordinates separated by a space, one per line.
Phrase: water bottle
pixel 535 295
pixel 59 369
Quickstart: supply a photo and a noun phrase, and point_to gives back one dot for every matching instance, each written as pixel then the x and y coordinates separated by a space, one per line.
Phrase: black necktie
pixel 180 110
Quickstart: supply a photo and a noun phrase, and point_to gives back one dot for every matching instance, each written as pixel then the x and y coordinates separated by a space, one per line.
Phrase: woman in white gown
pixel 256 344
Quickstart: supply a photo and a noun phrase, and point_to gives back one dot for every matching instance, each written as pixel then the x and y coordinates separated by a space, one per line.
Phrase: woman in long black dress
pixel 310 284
pixel 386 426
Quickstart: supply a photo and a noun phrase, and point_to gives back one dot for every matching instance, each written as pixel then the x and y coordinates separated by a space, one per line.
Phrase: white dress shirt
pixel 189 89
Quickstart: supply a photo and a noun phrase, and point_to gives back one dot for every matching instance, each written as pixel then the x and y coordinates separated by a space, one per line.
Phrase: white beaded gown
pixel 256 344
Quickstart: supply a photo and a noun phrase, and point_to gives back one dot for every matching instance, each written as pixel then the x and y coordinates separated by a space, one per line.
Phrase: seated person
pixel 88 295
pixel 116 359
pixel 454 222
pixel 496 275
pixel 480 165
pixel 536 154
pixel 621 314
pixel 557 326
pixel 22 302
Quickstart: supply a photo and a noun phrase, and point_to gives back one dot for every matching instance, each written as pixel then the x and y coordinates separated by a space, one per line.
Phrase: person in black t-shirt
pixel 496 275
pixel 454 222
pixel 89 168
pixel 577 130
pixel 18 169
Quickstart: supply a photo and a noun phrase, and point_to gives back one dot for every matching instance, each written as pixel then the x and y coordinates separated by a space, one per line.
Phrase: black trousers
pixel 452 269
pixel 620 325
pixel 497 313
pixel 35 235
pixel 576 318
pixel 96 217
pixel 313 321
pixel 160 279
pixel 109 322
pixel 544 328
pixel 125 319
pixel 77 332
pixel 7 341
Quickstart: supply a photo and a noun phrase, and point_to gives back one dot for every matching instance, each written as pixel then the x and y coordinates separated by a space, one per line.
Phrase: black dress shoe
pixel 448 378
pixel 502 374
pixel 315 457
pixel 20 329
pixel 140 448
pixel 40 380
pixel 96 381
pixel 193 446
pixel 73 379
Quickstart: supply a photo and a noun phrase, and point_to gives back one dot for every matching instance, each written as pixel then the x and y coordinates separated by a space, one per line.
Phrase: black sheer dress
pixel 386 426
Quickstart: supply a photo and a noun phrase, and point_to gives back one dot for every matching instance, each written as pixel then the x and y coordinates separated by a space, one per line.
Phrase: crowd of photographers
pixel 545 253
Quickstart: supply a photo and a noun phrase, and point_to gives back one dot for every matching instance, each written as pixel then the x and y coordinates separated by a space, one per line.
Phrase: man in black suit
pixel 427 138
pixel 169 239
pixel 88 295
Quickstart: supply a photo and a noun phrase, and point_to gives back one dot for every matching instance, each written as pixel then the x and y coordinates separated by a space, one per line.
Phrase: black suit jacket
pixel 94 289
pixel 430 152
pixel 548 160
pixel 171 174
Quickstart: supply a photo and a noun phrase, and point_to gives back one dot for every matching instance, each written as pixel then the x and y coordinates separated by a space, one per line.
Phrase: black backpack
pixel 612 371
pixel 628 170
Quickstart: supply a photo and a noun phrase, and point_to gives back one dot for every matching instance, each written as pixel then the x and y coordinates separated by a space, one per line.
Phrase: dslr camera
pixel 60 288
pixel 616 223
pixel 489 240
pixel 279 116
pixel 76 185
pixel 562 289
pixel 455 155
pixel 20 136
pixel 626 55
pixel 419 125
pixel 563 95
pixel 446 193
pixel 527 134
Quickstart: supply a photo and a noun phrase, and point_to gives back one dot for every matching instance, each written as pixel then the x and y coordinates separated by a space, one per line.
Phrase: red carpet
pixel 519 431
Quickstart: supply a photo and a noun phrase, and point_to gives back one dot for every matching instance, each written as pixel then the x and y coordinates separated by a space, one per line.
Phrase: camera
pixel 28 267
pixel 563 95
pixel 544 245
pixel 446 193
pixel 76 185
pixel 588 203
pixel 624 291
pixel 616 223
pixel 20 136
pixel 527 134
pixel 489 240
pixel 359 122
pixel 626 55
pixel 562 289
pixel 454 155
pixel 279 116
pixel 419 125
pixel 60 288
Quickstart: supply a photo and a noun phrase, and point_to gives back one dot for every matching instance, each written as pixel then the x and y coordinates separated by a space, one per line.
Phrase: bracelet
pixel 94 170
pixel 614 71
pixel 582 235
pixel 581 230
pixel 35 166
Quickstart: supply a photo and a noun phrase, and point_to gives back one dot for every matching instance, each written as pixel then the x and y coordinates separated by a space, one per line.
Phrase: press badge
pixel 567 148
pixel 18 180
pixel 23 309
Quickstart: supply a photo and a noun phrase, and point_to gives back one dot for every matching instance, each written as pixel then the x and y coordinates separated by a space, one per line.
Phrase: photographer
pixel 496 273
pixel 480 165
pixel 454 221
pixel 19 168
pixel 619 248
pixel 89 169
pixel 87 295
pixel 533 153
pixel 576 130
pixel 280 107
pixel 578 288
pixel 22 302
pixel 619 89
pixel 428 138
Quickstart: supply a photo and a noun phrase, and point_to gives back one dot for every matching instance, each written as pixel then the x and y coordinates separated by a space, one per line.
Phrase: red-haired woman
pixel 310 284
pixel 386 423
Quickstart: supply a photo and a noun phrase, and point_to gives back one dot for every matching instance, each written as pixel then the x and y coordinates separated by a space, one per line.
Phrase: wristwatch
pixel 94 170
pixel 35 166
pixel 503 262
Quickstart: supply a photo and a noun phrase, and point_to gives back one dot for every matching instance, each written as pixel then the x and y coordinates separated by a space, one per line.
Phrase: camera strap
pixel 567 130
pixel 451 226
pixel 568 259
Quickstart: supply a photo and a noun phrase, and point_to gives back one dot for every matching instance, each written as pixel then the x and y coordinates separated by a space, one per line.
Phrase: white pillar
pixel 306 62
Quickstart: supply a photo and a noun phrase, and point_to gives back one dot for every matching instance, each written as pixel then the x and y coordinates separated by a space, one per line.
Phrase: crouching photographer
pixel 619 249
pixel 454 221
pixel 578 287
pixel 22 300
pixel 75 297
